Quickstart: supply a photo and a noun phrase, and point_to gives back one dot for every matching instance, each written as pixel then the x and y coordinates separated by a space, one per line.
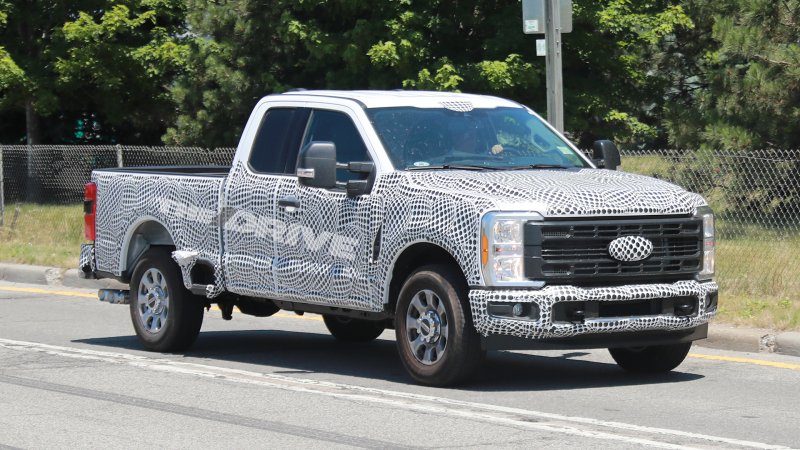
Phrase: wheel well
pixel 412 258
pixel 144 236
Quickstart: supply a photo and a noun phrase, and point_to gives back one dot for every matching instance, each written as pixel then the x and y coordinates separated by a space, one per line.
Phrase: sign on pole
pixel 534 18
pixel 541 47
pixel 551 18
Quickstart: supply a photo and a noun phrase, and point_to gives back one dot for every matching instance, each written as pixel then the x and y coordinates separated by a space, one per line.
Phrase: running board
pixel 114 296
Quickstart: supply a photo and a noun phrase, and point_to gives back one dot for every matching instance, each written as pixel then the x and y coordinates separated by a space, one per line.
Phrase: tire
pixel 655 359
pixel 165 315
pixel 436 339
pixel 353 330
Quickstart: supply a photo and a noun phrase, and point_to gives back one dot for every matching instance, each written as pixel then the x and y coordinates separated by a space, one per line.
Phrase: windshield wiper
pixel 538 166
pixel 451 167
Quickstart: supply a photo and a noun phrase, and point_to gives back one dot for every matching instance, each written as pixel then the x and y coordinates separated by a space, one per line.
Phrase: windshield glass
pixel 500 138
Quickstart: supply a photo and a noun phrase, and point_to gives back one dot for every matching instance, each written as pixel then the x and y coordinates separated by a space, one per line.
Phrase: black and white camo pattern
pixel 323 252
pixel 445 207
pixel 545 299
pixel 630 248
pixel 86 263
pixel 183 204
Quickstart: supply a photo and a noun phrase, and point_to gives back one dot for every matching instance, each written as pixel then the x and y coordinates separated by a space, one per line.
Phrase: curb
pixel 51 276
pixel 752 340
pixel 720 336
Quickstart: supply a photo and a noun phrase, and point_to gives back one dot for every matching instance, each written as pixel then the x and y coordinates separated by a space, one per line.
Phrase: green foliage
pixel 746 75
pixel 112 61
pixel 244 49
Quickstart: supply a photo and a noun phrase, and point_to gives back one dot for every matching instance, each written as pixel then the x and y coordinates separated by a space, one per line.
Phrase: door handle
pixel 289 202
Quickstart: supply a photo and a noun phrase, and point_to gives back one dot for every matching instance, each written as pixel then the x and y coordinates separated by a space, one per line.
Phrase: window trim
pixel 364 140
pixel 295 109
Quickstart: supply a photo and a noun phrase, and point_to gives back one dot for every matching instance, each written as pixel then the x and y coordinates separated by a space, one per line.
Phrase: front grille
pixel 576 252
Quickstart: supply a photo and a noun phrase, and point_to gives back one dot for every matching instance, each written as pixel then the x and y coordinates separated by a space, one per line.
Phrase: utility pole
pixel 555 81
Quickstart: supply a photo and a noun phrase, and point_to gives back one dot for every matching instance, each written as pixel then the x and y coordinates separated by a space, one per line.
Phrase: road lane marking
pixel 28 290
pixel 482 412
pixel 317 318
pixel 758 362
pixel 272 426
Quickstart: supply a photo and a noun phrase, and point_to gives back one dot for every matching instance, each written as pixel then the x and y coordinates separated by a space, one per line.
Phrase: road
pixel 73 375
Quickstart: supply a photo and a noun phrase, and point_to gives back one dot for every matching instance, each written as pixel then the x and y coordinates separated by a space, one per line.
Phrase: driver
pixel 466 138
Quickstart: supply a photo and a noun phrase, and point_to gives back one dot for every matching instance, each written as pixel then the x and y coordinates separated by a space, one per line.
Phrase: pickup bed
pixel 464 222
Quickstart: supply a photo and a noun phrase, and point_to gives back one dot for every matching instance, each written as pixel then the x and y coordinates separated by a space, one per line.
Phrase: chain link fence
pixel 756 199
pixel 756 195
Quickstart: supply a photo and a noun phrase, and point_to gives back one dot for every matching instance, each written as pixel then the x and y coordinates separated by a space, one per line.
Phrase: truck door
pixel 250 226
pixel 324 256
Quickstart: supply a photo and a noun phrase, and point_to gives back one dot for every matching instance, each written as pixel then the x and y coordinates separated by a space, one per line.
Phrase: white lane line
pixel 516 417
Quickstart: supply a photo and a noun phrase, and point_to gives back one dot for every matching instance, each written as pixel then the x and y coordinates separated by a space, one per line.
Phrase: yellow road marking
pixel 757 362
pixel 47 291
pixel 317 318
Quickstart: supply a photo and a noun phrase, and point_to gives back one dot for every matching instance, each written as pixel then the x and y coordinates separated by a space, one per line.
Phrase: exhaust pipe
pixel 114 296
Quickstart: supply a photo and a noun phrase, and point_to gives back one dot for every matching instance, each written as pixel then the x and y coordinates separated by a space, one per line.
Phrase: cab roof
pixel 419 99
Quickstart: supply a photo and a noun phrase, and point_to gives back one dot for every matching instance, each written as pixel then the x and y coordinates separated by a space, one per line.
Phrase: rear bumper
pixel 87 268
pixel 548 330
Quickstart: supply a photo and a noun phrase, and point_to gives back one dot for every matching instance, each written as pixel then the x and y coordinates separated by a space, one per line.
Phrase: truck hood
pixel 565 193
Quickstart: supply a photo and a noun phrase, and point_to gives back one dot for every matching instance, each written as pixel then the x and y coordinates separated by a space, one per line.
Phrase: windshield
pixel 500 138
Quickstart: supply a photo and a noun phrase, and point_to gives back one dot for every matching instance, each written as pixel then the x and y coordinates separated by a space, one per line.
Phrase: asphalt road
pixel 73 375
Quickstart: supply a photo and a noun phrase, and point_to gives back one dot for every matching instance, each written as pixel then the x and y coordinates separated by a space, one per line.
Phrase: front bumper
pixel 626 330
pixel 87 268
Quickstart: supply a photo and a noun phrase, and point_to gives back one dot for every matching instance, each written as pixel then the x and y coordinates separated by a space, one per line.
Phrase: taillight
pixel 89 210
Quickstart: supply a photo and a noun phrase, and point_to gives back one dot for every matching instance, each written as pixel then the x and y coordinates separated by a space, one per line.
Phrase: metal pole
pixel 2 192
pixel 555 84
pixel 119 155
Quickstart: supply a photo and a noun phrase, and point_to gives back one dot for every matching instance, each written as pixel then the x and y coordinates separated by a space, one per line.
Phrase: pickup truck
pixel 466 223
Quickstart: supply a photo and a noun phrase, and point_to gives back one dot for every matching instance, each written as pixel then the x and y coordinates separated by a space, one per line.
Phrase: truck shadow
pixel 288 352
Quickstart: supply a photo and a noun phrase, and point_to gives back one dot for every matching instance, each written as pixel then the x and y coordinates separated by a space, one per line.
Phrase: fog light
pixel 521 311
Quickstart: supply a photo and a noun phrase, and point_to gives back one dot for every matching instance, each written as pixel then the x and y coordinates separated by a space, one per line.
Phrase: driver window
pixel 337 127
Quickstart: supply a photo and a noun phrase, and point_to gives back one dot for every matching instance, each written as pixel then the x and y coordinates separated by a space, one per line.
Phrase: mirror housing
pixel 360 187
pixel 317 166
pixel 606 155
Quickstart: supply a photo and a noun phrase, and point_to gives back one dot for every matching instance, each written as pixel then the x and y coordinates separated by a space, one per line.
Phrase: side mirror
pixel 606 155
pixel 317 166
pixel 360 187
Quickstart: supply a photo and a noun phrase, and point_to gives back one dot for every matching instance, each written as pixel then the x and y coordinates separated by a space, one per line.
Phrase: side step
pixel 114 296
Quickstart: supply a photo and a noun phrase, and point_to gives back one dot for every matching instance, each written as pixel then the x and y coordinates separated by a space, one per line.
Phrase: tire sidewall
pixel 442 371
pixel 166 338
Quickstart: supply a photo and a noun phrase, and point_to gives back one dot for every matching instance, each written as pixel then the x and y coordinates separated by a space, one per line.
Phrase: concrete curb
pixel 51 276
pixel 720 336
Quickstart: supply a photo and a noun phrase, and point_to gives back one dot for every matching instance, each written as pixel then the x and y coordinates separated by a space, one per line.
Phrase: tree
pixel 753 95
pixel 113 61
pixel 244 49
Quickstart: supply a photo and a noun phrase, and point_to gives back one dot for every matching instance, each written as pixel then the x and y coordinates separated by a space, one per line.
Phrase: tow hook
pixel 114 296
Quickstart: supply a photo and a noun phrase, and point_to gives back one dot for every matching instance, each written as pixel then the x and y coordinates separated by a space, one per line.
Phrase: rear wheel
pixel 436 339
pixel 353 330
pixel 165 315
pixel 654 359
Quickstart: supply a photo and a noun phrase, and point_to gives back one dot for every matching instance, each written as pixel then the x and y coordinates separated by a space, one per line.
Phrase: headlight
pixel 709 243
pixel 503 249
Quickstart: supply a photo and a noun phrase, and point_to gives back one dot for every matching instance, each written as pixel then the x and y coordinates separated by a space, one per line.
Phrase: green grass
pixel 758 271
pixel 47 235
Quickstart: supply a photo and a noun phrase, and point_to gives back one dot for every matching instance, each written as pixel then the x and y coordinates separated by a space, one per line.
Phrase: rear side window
pixel 278 139
pixel 337 127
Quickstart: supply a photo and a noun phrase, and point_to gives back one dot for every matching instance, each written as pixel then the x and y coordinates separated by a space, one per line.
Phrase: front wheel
pixel 353 330
pixel 436 339
pixel 653 359
pixel 166 316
